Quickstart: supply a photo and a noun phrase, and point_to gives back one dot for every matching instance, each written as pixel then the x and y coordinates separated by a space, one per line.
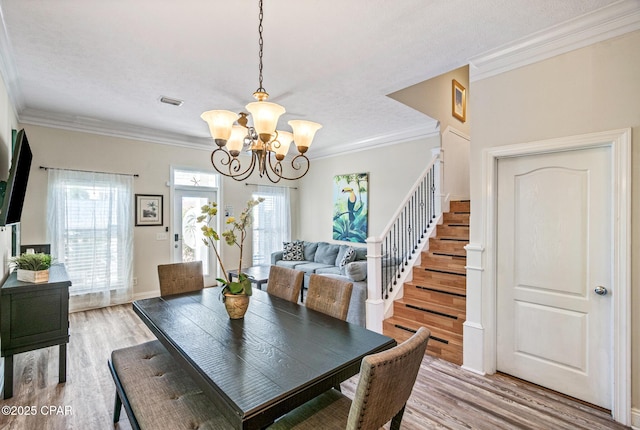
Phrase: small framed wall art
pixel 458 101
pixel 148 209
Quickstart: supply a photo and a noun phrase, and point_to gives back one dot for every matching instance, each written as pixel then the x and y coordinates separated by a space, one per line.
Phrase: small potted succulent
pixel 32 267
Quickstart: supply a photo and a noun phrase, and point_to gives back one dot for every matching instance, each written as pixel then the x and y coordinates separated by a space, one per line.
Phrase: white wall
pixel 75 150
pixel 588 90
pixel 392 171
pixel 433 97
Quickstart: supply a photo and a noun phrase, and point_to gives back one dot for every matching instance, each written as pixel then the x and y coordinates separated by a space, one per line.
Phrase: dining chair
pixel 385 384
pixel 328 295
pixel 285 283
pixel 179 278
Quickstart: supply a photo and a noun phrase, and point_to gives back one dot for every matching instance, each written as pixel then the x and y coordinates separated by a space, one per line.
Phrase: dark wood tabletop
pixel 260 367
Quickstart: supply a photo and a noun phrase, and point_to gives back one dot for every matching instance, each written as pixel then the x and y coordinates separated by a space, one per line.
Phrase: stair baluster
pixel 389 255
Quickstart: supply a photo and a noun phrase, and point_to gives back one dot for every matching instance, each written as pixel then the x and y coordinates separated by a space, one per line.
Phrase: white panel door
pixel 554 250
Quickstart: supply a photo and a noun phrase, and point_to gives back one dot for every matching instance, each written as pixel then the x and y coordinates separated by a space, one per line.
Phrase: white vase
pixel 33 276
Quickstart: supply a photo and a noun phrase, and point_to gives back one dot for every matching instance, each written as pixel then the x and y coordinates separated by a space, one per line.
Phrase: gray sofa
pixel 345 262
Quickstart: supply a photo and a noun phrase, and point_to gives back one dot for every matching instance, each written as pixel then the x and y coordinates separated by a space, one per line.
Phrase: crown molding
pixel 428 128
pixel 610 21
pixel 112 129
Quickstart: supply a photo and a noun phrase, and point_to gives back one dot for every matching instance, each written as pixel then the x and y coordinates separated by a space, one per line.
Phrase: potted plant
pixel 32 267
pixel 235 294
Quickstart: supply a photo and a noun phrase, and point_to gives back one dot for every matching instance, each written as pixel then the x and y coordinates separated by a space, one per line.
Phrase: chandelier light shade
pixel 265 118
pixel 220 123
pixel 303 133
pixel 267 147
pixel 236 141
pixel 282 147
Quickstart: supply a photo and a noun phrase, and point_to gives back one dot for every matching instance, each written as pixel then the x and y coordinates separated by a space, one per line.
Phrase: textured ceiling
pixel 103 65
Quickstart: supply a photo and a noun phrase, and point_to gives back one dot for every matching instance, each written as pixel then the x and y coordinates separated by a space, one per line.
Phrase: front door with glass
pixel 187 239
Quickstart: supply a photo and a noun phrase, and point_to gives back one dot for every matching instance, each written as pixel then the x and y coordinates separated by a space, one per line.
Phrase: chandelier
pixel 267 146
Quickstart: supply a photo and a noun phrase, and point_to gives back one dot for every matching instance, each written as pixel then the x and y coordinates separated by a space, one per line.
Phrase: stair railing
pixel 390 254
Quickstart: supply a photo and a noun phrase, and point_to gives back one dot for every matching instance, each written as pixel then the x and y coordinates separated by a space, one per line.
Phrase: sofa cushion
pixel 346 255
pixel 332 270
pixel 290 264
pixel 293 251
pixel 309 250
pixel 326 253
pixel 312 267
pixel 361 253
pixel 356 270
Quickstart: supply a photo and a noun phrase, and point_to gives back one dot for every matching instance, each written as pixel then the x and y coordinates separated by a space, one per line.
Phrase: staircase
pixel 436 297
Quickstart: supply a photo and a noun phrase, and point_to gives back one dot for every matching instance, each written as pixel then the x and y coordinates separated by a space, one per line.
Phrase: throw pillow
pixel 348 257
pixel 293 251
pixel 326 253
pixel 356 271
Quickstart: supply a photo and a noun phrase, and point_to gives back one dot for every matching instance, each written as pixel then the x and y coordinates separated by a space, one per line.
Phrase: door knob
pixel 600 290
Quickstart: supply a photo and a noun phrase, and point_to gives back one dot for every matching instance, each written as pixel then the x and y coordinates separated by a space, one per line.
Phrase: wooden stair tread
pixel 441 259
pixel 436 308
pixel 452 338
pixel 435 287
pixel 459 218
pixel 460 206
pixel 453 270
pixel 439 278
pixel 448 246
pixel 452 231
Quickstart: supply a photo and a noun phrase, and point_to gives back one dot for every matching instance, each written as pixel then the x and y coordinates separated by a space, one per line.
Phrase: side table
pixel 34 316
pixel 258 275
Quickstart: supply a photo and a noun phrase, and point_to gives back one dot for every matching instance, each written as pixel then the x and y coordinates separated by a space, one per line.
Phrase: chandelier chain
pixel 260 44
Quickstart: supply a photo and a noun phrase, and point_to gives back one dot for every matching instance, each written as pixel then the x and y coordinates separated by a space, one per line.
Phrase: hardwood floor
pixel 444 397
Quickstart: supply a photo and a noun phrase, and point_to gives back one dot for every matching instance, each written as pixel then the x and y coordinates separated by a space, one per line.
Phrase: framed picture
pixel 458 101
pixel 351 207
pixel 148 209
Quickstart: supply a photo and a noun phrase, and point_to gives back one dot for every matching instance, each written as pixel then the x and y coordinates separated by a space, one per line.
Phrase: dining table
pixel 258 368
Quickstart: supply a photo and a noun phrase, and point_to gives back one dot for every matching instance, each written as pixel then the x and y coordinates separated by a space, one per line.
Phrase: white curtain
pixel 271 222
pixel 90 228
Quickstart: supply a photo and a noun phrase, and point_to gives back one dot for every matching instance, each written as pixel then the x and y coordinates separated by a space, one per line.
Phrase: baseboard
pixel 145 295
pixel 635 419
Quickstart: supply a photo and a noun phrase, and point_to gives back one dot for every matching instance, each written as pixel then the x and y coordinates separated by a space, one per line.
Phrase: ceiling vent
pixel 170 101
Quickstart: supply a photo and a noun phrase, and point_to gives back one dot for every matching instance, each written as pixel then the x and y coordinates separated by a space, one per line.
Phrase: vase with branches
pixel 234 236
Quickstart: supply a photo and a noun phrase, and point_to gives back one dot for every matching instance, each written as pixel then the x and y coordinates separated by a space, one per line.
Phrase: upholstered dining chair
pixel 285 283
pixel 328 295
pixel 385 384
pixel 179 278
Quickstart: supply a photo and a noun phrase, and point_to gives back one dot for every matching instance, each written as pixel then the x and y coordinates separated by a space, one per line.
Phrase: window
pixel 90 228
pixel 271 223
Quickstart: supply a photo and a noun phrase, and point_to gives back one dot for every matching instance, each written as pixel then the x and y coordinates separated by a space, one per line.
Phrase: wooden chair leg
pixel 116 409
pixel 397 419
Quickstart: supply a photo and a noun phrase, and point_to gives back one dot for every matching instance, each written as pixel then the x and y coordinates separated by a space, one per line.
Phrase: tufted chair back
pixel 385 384
pixel 285 283
pixel 180 277
pixel 329 296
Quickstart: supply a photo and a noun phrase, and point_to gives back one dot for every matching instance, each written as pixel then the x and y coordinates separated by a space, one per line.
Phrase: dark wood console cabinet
pixel 34 316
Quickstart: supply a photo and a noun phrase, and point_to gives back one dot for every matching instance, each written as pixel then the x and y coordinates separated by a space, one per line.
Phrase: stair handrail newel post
pixel 391 255
pixel 374 314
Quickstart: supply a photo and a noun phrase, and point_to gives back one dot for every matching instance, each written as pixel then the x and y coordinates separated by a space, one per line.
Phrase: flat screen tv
pixel 13 190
